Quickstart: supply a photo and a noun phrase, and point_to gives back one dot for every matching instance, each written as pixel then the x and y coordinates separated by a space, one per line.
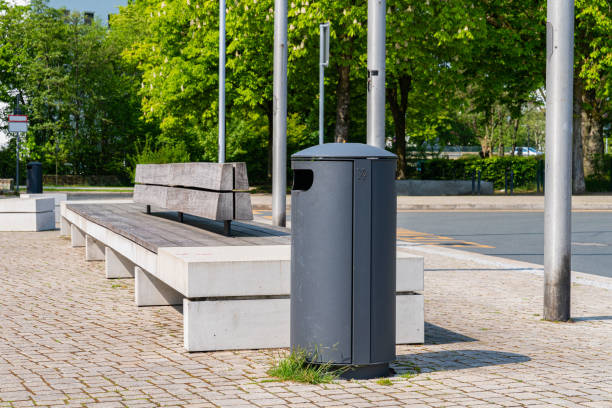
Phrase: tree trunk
pixel 399 106
pixel 344 100
pixel 578 186
pixel 592 143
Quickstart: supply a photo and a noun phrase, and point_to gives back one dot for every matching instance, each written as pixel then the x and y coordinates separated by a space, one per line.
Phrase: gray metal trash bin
pixel 343 222
pixel 34 180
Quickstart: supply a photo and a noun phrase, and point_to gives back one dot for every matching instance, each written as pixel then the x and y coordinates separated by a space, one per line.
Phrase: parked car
pixel 526 151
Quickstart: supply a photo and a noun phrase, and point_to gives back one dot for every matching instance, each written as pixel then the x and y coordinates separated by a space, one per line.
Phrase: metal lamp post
pixel 558 195
pixel 279 108
pixel 376 72
pixel 221 81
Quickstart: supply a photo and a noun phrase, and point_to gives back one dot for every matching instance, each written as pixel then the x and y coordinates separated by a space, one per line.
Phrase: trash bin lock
pixel 343 217
pixel 34 178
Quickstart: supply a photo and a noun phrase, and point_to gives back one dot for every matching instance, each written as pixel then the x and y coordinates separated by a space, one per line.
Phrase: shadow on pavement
pixel 439 335
pixel 590 318
pixel 454 360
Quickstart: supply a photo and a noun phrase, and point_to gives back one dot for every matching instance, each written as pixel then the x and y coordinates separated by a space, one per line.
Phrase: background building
pixel 100 8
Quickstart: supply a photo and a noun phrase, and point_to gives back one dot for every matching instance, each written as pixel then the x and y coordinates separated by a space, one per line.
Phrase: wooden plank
pixel 241 178
pixel 209 176
pixel 213 205
pixel 161 229
pixel 244 210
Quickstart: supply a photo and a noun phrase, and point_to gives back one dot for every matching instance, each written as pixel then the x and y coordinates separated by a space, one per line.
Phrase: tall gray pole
pixel 558 196
pixel 279 168
pixel 376 72
pixel 323 63
pixel 221 81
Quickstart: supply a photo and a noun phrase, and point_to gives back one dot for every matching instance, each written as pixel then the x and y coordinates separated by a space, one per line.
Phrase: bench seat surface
pixel 161 229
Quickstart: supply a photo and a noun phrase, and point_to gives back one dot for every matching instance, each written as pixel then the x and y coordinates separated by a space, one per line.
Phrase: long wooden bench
pixel 234 289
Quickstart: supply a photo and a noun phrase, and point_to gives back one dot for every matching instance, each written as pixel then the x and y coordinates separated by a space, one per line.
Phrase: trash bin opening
pixel 302 179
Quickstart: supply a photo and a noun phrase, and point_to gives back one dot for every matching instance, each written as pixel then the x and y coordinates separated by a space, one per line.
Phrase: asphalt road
pixel 514 235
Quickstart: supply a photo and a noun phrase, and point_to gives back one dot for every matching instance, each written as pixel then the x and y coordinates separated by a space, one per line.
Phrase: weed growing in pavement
pixel 384 381
pixel 296 367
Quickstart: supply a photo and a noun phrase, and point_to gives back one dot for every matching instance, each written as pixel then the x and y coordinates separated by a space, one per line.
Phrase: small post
pixel 511 182
pixel 538 178
pixel 227 228
pixel 323 63
pixel 506 182
pixel 473 182
pixel 479 173
pixel 148 209
pixel 180 217
pixel 17 164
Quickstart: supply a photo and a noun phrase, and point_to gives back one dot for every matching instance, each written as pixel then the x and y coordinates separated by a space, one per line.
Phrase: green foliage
pixel 296 367
pixel 492 169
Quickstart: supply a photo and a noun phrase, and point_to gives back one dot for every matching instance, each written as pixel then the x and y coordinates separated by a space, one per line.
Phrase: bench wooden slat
pixel 160 229
pixel 209 176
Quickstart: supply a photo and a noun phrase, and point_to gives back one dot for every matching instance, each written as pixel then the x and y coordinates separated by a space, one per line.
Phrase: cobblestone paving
pixel 70 337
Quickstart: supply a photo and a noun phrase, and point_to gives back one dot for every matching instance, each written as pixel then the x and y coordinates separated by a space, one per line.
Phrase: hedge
pixel 492 169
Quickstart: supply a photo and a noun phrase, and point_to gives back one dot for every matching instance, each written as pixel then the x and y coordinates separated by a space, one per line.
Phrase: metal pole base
pixel 148 209
pixel 180 216
pixel 227 228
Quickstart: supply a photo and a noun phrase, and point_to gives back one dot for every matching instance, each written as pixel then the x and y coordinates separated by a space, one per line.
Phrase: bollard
pixel 473 182
pixel 478 182
pixel 506 182
pixel 511 182
pixel 538 179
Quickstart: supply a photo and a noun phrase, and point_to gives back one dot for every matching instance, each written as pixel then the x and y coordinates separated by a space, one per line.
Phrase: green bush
pixel 492 169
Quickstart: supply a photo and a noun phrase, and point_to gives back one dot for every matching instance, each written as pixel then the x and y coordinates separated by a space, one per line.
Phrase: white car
pixel 526 151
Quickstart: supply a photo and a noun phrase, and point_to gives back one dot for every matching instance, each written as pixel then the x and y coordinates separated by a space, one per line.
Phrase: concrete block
pixel 235 324
pixel 94 250
pixel 117 265
pixel 77 237
pixel 251 270
pixel 410 319
pixel 6 184
pixel 32 205
pixel 226 271
pixel 58 197
pixel 410 272
pixel 150 291
pixel 23 222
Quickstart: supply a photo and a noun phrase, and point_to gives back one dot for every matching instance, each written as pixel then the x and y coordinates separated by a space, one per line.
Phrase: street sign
pixel 18 123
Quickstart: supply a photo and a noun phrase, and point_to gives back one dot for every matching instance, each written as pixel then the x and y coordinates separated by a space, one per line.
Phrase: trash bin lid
pixel 343 151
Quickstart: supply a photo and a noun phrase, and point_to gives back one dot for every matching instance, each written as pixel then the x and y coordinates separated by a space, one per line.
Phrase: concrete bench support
pixel 410 312
pixel 94 250
pixel 77 237
pixel 64 227
pixel 117 265
pixel 150 291
pixel 236 324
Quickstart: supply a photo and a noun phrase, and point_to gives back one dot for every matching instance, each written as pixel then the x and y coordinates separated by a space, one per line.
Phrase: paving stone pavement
pixel 69 337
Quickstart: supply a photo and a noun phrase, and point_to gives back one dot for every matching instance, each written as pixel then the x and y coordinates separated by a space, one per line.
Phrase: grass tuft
pixel 384 381
pixel 296 367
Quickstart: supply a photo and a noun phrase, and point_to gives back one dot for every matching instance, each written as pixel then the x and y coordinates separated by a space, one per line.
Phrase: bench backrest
pixel 217 191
